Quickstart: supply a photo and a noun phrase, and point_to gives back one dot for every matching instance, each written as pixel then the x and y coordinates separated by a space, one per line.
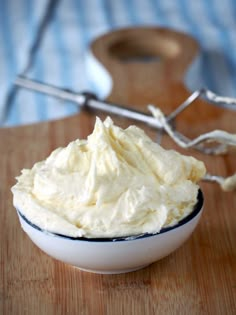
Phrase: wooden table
pixel 200 277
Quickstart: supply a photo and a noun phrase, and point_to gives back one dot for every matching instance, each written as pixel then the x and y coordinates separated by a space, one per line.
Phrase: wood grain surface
pixel 147 66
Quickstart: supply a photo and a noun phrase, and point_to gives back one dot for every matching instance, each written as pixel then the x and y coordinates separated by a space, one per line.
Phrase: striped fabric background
pixel 48 40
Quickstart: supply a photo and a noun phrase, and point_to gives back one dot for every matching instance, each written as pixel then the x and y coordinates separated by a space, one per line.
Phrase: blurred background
pixel 48 40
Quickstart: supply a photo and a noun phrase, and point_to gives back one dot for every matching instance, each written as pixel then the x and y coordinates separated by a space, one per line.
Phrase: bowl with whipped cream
pixel 114 202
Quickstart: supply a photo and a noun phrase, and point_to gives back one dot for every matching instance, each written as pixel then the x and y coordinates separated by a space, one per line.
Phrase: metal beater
pixel 155 119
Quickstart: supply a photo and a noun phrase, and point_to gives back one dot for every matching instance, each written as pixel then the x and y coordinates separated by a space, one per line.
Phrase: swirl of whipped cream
pixel 115 183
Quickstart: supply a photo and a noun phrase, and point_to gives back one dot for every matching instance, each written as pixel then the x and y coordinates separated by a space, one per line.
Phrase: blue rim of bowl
pixel 197 208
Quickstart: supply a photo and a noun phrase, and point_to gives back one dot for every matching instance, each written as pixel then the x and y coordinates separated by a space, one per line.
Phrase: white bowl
pixel 114 255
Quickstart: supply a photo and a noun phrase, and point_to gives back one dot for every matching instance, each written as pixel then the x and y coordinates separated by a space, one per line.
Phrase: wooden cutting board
pixel 147 66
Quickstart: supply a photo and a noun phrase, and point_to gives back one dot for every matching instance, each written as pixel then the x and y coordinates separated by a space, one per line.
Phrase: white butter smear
pixel 115 183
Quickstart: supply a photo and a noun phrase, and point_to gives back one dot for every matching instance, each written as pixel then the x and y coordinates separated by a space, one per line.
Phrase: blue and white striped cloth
pixel 47 40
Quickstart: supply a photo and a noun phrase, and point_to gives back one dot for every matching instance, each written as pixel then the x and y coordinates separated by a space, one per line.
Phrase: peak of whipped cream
pixel 117 182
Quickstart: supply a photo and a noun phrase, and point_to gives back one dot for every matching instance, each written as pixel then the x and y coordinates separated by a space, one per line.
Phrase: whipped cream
pixel 115 183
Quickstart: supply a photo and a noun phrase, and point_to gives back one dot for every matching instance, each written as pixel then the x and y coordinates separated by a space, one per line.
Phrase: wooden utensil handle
pixel 144 60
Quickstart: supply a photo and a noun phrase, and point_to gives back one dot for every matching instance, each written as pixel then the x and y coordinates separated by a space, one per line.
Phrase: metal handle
pixel 89 100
